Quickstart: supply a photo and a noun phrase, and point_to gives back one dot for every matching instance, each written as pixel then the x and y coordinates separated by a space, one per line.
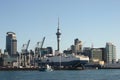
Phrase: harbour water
pixel 102 74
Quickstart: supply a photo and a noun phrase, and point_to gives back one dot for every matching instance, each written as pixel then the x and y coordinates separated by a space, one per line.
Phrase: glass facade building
pixel 11 43
pixel 110 53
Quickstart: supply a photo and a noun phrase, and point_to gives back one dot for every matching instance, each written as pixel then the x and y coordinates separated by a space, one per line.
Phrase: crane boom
pixel 27 45
pixel 42 42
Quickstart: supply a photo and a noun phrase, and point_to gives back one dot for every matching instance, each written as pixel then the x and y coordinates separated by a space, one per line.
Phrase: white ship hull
pixel 69 60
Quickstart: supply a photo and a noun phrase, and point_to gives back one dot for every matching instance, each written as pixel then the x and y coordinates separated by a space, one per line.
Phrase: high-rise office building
pixel 78 45
pixel 110 53
pixel 11 43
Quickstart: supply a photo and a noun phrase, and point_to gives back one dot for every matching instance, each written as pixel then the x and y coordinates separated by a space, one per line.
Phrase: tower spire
pixel 58 23
pixel 58 36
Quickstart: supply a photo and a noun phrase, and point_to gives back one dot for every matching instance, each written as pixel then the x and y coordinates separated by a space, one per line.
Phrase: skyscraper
pixel 78 45
pixel 11 43
pixel 110 53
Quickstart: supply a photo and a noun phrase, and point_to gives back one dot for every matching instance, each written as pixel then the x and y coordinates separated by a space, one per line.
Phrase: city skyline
pixel 93 22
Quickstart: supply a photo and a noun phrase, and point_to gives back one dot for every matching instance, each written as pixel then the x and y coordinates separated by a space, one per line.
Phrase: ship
pixel 64 61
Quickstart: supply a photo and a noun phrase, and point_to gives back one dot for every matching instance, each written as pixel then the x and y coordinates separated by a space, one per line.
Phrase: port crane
pixel 25 51
pixel 39 47
pixel 42 42
pixel 25 47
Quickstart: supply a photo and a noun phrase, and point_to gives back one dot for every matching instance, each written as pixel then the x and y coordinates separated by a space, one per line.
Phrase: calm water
pixel 110 74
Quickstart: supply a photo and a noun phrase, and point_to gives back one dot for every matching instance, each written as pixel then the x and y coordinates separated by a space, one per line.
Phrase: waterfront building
pixel 103 54
pixel 111 53
pixel 87 52
pixel 73 48
pixel 49 50
pixel 11 43
pixel 78 46
pixel 1 58
pixel 8 61
pixel 43 51
pixel 0 53
pixel 67 51
pixel 1 61
pixel 96 54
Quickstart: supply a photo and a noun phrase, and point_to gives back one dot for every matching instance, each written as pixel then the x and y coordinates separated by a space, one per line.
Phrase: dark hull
pixel 75 63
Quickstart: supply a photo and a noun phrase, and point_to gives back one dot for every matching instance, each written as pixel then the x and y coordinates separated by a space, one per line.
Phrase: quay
pixel 58 68
pixel 18 69
pixel 35 69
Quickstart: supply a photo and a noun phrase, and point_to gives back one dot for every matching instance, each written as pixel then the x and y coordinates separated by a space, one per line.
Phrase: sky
pixel 91 21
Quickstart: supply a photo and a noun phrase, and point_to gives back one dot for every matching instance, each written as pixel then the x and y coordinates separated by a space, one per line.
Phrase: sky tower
pixel 58 37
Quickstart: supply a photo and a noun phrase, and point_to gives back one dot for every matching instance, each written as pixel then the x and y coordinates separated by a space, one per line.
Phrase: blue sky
pixel 92 21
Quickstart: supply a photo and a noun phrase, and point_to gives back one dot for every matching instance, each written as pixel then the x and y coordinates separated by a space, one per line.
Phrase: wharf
pixel 35 69
pixel 18 69
pixel 111 66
